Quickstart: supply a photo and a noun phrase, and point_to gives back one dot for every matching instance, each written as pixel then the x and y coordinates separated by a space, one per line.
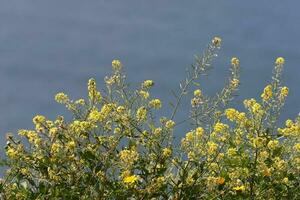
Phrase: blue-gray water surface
pixel 52 46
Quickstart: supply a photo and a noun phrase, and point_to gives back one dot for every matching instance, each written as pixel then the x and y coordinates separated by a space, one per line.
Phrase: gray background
pixel 56 45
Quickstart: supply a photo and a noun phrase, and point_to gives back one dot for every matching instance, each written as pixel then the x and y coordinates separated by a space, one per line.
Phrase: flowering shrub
pixel 116 147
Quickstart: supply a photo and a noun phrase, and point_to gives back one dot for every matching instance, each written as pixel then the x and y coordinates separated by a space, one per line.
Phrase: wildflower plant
pixel 117 147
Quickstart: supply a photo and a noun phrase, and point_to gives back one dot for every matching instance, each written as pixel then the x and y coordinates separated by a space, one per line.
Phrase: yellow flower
pixel 24 171
pixel 170 124
pixel 256 108
pixel 268 93
pixel 144 94
pixel 190 180
pixel 211 147
pixel 189 136
pixel 116 65
pixel 289 123
pixel 155 103
pixel 199 131
pixel 70 145
pixel 216 41
pixel 239 188
pixel 235 61
pixel 231 114
pixel 11 152
pixel 56 147
pixel 39 119
pixel 61 98
pixel 95 116
pixel 220 127
pixel 148 83
pixel 273 144
pixel 120 109
pixel 167 152
pixel 94 95
pixel 259 142
pixel 232 152
pixel 195 102
pixel 285 180
pixel 263 155
pixel 297 147
pixel 197 93
pixel 279 61
pixel 128 157
pixel 130 179
pixel 80 102
pixel 157 131
pixel 141 113
pixel 284 92
pixel 53 131
pixel 235 82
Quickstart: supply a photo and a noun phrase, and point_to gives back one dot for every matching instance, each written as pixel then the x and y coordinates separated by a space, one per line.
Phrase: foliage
pixel 117 147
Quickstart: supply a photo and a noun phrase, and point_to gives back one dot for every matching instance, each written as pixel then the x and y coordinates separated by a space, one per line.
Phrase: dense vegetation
pixel 117 147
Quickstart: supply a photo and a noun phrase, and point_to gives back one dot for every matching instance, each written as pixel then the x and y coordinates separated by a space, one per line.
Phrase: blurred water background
pixel 57 45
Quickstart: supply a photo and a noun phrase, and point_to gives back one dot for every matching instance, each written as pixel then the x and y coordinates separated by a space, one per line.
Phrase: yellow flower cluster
pixel 128 157
pixel 130 179
pixel 197 93
pixel 235 61
pixel 116 65
pixel 148 84
pixel 254 107
pixel 144 94
pixel 291 129
pixel 94 95
pixel 155 103
pixel 61 98
pixel 268 93
pixel 279 61
pixel 141 114
pixel 170 124
pixel 220 127
pixel 234 115
pixel 284 92
pixel 235 83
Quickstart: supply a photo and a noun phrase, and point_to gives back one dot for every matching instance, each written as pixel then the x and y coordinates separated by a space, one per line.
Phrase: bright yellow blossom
pixel 144 94
pixel 155 103
pixel 239 188
pixel 148 83
pixel 93 93
pixel 279 61
pixel 235 61
pixel 284 92
pixel 61 98
pixel 199 131
pixel 211 147
pixel 273 144
pixel 167 152
pixel 116 65
pixel 11 152
pixel 197 93
pixel 220 127
pixel 130 179
pixel 297 147
pixel 235 83
pixel 141 113
pixel 268 93
pixel 170 124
